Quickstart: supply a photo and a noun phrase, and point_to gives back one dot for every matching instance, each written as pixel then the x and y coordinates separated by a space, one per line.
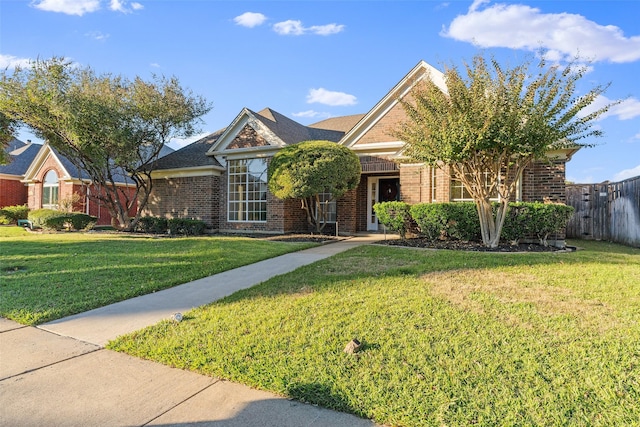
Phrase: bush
pixel 394 215
pixel 39 216
pixel 70 221
pixel 186 227
pixel 452 220
pixel 460 220
pixel 548 218
pixel 12 214
pixel 152 224
pixel 430 219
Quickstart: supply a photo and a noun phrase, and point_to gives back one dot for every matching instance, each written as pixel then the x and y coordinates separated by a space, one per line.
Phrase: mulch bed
pixel 469 246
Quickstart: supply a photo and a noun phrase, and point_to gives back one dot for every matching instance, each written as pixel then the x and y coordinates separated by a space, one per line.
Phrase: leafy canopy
pixel 492 122
pixel 307 169
pixel 107 125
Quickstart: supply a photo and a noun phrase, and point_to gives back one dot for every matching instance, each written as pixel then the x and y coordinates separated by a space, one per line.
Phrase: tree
pixel 308 169
pixel 108 126
pixel 7 129
pixel 489 127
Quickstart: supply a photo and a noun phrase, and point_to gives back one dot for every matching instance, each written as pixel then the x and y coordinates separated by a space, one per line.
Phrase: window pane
pixel 247 190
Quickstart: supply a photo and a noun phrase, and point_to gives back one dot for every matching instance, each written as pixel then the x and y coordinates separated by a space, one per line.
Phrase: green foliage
pixel 13 213
pixel 460 220
pixel 547 219
pixel 395 216
pixel 106 125
pixel 447 220
pixel 39 216
pixel 50 219
pixel 489 123
pixel 152 224
pixel 304 170
pixel 186 227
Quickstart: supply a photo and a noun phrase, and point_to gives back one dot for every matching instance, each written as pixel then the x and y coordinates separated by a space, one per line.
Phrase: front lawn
pixel 48 276
pixel 448 338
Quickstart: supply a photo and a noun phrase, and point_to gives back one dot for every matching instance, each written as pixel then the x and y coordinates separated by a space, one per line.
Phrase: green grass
pixel 448 338
pixel 48 276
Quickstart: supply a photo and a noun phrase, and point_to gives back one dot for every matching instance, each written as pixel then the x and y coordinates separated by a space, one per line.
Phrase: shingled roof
pixel 292 132
pixel 192 155
pixel 342 124
pixel 20 157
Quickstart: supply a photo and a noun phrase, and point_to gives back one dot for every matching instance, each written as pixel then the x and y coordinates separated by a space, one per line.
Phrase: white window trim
pixel 245 202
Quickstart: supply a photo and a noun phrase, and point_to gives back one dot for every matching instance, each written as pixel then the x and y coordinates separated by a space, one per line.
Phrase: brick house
pixel 221 179
pixel 51 180
pixel 12 190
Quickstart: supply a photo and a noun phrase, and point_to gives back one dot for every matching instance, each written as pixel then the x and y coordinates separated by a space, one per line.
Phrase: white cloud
pixel 519 26
pixel 289 28
pixel 70 7
pixel 626 110
pixel 326 30
pixel 97 35
pixel 312 114
pixel 250 19
pixel 295 28
pixel 627 173
pixel 327 97
pixel 121 6
pixel 10 61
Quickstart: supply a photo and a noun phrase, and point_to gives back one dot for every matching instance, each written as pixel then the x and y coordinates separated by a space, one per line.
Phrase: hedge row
pixel 173 226
pixel 49 219
pixel 460 220
pixel 11 214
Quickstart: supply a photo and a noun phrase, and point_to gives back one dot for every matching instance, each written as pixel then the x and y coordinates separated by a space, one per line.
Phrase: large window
pixel 329 206
pixel 460 194
pixel 50 189
pixel 247 190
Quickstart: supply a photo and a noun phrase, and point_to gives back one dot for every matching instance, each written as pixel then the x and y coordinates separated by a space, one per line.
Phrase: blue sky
pixel 311 60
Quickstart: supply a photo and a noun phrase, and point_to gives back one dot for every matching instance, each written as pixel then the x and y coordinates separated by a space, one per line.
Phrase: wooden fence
pixel 608 211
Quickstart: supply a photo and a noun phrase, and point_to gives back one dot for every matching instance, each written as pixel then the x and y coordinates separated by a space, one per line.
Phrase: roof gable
pixel 372 133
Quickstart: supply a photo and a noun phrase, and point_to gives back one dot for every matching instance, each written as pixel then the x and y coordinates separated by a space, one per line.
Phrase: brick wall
pixel 382 131
pixel 12 192
pixel 544 180
pixel 247 138
pixel 187 197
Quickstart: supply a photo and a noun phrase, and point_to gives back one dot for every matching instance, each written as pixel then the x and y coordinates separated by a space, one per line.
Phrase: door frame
pixel 373 190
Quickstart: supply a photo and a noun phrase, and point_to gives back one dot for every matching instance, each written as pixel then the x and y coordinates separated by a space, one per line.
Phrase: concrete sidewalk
pixel 60 374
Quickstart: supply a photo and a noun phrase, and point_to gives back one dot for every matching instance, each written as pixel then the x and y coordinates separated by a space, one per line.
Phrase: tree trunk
pixel 490 224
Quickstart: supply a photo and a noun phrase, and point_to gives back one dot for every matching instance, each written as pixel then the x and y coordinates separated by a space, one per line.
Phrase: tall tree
pixel 493 122
pixel 308 169
pixel 111 127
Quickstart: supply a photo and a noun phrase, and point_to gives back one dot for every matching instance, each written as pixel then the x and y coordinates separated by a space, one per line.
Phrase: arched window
pixel 50 188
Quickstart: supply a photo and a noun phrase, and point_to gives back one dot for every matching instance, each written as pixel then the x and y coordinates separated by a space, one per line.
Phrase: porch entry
pixel 380 189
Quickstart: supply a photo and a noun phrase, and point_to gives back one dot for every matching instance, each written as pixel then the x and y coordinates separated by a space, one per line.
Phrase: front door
pixel 380 189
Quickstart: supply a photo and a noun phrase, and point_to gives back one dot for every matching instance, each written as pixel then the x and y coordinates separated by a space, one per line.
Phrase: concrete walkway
pixel 59 374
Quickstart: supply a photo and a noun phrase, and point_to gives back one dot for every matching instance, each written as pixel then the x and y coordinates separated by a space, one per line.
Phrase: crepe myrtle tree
pixel 492 122
pixel 109 126
pixel 7 129
pixel 308 169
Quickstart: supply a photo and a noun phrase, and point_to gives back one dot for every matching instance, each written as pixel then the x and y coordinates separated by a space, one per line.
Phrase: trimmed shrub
pixel 186 227
pixel 547 219
pixel 70 221
pixel 394 215
pixel 449 220
pixel 152 224
pixel 430 219
pixel 39 216
pixel 81 221
pixel 516 224
pixel 12 214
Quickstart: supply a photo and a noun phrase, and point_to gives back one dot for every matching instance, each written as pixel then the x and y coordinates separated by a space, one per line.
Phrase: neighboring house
pixel 222 178
pixel 50 180
pixel 12 190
